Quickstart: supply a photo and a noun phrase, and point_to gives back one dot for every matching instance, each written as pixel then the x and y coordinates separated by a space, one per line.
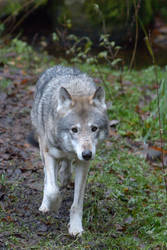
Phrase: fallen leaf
pixel 154 152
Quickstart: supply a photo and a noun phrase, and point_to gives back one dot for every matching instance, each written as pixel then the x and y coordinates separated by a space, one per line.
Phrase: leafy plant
pixel 79 51
pixel 153 121
pixel 21 47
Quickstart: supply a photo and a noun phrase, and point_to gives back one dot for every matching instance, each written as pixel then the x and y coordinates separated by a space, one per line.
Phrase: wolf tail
pixel 31 138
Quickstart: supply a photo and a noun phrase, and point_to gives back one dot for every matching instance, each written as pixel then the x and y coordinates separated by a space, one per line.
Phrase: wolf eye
pixel 74 130
pixel 94 128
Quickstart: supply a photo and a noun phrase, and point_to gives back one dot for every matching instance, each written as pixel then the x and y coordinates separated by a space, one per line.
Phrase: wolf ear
pixel 99 97
pixel 65 99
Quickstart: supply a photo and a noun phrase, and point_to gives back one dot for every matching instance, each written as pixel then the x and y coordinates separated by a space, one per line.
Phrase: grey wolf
pixel 69 119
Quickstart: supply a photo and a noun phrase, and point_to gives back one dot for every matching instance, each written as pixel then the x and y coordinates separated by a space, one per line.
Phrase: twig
pixel 160 126
pixel 137 7
pixel 104 83
pixel 14 13
pixel 23 18
pixel 150 50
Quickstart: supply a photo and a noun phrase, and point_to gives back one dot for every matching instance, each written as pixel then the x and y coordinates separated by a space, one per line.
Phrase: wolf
pixel 69 117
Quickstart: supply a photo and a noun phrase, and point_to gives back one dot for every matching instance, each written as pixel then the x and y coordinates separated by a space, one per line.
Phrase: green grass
pixel 125 201
pixel 124 208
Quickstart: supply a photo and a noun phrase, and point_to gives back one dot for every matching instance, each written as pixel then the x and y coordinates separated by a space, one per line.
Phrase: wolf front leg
pixel 51 194
pixel 75 225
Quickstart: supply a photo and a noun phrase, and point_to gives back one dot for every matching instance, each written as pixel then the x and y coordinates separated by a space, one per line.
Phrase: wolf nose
pixel 87 155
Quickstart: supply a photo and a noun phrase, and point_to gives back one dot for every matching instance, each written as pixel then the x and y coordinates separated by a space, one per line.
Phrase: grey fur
pixel 43 115
pixel 48 86
pixel 69 117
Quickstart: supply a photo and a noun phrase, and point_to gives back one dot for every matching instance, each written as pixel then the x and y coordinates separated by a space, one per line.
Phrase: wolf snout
pixel 87 155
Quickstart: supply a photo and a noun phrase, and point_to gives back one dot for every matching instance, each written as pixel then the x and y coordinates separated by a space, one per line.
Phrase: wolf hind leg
pixel 51 194
pixel 65 173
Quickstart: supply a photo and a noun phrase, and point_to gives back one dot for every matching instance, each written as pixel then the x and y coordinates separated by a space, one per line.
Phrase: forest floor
pixel 125 200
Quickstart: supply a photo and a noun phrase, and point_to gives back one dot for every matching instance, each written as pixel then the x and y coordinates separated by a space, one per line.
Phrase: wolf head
pixel 82 122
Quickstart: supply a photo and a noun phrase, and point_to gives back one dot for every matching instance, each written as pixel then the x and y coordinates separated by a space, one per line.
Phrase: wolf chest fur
pixel 69 119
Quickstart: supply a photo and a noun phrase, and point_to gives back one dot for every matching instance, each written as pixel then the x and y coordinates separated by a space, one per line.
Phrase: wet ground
pixel 22 175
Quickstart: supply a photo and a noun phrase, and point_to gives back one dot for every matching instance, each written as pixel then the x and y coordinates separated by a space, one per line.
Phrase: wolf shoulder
pixel 76 82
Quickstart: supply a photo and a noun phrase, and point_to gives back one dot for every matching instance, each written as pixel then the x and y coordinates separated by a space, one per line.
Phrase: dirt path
pixel 22 176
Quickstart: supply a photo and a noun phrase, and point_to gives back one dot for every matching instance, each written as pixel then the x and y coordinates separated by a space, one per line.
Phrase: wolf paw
pixel 44 209
pixel 75 230
pixel 51 203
